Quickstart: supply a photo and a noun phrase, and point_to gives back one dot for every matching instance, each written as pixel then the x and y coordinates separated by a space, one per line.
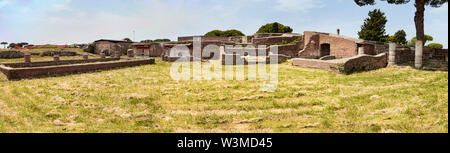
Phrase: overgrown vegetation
pixel 399 37
pixel 436 45
pixel 275 28
pixel 227 33
pixel 156 40
pixel 146 99
pixel 427 38
pixel 374 27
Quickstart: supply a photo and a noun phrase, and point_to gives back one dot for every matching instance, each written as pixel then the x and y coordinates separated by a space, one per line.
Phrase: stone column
pixel 102 55
pixel 56 58
pixel 419 55
pixel 117 54
pixel 361 50
pixel 130 53
pixel 392 48
pixel 27 57
pixel 85 56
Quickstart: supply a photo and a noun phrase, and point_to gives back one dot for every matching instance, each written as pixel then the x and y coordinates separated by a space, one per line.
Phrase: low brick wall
pixel 348 65
pixel 31 72
pixel 314 63
pixel 365 63
pixel 11 54
pixel 61 62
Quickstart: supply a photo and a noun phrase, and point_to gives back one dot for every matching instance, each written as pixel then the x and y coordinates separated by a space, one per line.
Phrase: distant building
pixel 108 46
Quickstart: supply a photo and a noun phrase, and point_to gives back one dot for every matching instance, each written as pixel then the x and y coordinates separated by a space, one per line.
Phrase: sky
pixel 83 21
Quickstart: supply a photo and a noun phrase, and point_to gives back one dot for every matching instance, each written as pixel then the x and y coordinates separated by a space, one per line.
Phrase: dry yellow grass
pixel 146 99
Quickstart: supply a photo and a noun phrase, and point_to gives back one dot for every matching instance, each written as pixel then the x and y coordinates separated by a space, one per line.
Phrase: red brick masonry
pixel 31 72
pixel 346 65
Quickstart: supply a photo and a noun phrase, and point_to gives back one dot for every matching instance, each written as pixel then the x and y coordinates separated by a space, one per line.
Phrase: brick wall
pixel 111 47
pixel 347 65
pixel 31 72
pixel 365 63
pixel 61 62
pixel 204 38
pixel 274 40
pixel 407 54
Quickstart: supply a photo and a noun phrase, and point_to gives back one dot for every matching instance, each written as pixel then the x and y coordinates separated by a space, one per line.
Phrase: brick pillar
pixel 117 54
pixel 102 55
pixel 27 57
pixel 85 56
pixel 361 50
pixel 130 53
pixel 56 58
pixel 392 48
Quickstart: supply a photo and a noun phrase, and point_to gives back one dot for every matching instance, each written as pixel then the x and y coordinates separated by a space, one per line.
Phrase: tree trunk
pixel 420 32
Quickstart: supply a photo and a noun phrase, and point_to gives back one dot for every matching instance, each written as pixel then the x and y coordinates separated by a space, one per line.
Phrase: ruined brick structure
pixel 147 49
pixel 109 47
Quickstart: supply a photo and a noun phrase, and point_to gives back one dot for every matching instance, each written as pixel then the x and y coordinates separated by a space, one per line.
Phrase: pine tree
pixel 374 27
pixel 399 37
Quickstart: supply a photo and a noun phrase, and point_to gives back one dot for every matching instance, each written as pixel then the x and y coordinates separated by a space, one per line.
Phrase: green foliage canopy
pixel 374 27
pixel 275 28
pixel 436 45
pixel 228 33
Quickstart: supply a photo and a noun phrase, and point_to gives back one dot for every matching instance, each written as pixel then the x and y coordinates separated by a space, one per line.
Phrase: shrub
pixel 227 33
pixel 428 38
pixel 399 37
pixel 275 28
pixel 436 45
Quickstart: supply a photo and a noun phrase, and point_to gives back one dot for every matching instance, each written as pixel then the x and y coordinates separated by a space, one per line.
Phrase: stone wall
pixel 11 54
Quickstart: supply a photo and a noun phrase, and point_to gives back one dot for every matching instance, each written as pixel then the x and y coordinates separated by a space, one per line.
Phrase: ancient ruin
pixel 29 69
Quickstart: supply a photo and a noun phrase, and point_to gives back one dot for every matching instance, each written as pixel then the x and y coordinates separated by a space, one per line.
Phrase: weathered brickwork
pixel 30 72
pixel 111 46
pixel 347 65
pixel 148 49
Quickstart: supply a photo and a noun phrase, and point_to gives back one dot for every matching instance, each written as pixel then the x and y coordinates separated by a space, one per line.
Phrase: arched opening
pixel 325 50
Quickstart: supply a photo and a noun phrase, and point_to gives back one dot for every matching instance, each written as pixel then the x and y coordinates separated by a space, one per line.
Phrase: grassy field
pixel 146 99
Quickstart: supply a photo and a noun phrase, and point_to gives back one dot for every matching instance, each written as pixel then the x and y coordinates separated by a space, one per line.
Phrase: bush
pixel 399 38
pixel 436 45
pixel 428 38
pixel 275 28
pixel 228 33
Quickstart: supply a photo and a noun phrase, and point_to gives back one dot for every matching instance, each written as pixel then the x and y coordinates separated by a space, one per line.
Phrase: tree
pixel 217 33
pixel 374 27
pixel 427 38
pixel 161 40
pixel 233 32
pixel 127 40
pixel 275 28
pixel 399 37
pixel 418 19
pixel 436 45
pixel 228 33
pixel 12 45
pixel 4 44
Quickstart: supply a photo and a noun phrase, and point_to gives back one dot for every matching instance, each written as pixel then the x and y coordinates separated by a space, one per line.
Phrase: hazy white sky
pixel 83 21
